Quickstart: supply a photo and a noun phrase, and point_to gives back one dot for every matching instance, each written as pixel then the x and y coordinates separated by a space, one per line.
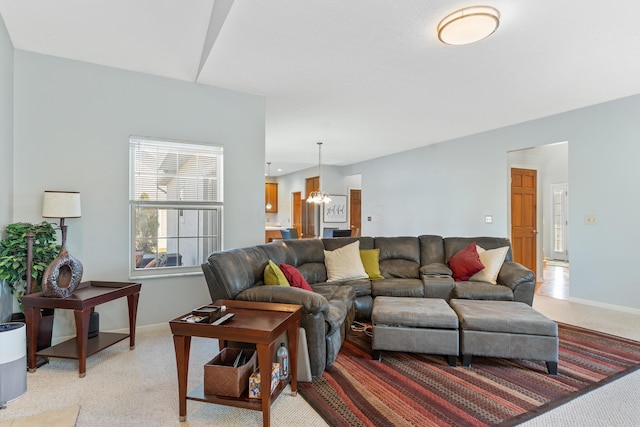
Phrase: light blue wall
pixel 72 126
pixel 6 127
pixel 448 189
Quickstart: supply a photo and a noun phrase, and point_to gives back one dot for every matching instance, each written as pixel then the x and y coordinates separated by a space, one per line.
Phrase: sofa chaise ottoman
pixel 415 325
pixel 511 330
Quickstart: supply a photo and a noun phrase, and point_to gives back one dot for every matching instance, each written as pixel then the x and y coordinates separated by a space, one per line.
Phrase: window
pixel 176 201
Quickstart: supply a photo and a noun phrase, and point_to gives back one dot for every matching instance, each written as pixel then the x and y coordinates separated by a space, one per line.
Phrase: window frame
pixel 217 207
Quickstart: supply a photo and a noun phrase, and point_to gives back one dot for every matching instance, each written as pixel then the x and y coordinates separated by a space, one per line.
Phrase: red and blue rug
pixel 407 389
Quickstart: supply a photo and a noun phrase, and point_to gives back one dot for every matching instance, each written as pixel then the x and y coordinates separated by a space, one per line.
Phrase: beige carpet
pixel 65 417
pixel 139 387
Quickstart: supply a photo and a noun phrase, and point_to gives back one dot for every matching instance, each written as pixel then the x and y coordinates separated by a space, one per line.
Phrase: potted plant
pixel 13 266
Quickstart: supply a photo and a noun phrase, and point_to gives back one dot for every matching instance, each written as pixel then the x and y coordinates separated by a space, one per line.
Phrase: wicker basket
pixel 222 379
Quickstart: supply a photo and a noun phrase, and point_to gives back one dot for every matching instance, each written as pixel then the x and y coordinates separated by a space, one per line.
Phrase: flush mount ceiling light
pixel 468 25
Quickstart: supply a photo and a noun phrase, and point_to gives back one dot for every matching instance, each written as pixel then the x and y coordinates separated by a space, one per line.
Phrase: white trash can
pixel 13 361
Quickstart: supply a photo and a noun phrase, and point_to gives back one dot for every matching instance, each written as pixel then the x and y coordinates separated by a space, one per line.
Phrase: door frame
pixel 552 252
pixel 539 218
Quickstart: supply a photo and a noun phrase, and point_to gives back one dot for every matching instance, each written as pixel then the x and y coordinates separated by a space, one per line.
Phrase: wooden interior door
pixel 309 210
pixel 297 211
pixel 524 231
pixel 355 211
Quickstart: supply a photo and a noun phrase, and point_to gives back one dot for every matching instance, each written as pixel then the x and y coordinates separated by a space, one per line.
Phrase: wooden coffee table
pixel 257 323
pixel 83 301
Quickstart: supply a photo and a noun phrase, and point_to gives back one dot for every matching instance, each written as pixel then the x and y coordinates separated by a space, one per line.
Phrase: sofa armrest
pixel 513 274
pixel 435 269
pixel 312 302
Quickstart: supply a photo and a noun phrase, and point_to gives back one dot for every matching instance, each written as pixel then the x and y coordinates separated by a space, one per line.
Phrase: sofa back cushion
pixel 232 271
pixel 276 251
pixel 307 255
pixel 399 256
pixel 454 244
pixel 331 244
pixel 431 249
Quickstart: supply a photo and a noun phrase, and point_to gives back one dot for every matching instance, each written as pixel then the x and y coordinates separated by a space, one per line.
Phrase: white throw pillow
pixel 344 263
pixel 492 260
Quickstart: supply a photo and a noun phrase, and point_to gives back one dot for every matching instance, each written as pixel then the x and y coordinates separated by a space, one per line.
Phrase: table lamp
pixel 64 273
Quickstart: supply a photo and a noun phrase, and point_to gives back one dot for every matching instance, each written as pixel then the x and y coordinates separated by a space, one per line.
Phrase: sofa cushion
pixel 276 251
pixel 313 272
pixel 465 263
pixel 294 277
pixel 360 286
pixel 431 249
pixel 398 288
pixel 398 248
pixel 482 291
pixel 333 243
pixel 307 255
pixel 492 261
pixel 273 276
pixel 370 261
pixel 232 271
pixel 344 263
pixel 303 251
pixel 399 257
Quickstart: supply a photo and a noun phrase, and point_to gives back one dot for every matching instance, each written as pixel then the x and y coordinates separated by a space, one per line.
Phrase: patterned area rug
pixel 408 389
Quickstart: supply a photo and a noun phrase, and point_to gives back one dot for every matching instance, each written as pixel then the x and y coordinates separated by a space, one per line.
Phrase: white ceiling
pixel 366 77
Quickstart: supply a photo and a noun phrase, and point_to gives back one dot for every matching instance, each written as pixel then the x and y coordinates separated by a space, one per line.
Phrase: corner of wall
pixel 6 126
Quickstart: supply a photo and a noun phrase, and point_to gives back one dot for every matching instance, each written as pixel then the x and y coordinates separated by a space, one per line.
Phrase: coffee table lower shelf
pixel 244 401
pixel 69 349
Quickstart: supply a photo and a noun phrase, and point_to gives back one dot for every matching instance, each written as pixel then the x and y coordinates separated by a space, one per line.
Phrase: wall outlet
pixel 488 219
pixel 590 219
pixel 369 218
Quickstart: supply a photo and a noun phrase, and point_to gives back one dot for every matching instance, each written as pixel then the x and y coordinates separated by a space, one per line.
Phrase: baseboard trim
pixel 605 305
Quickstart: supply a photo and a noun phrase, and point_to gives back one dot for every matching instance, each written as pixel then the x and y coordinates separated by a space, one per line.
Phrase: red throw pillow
pixel 294 277
pixel 465 263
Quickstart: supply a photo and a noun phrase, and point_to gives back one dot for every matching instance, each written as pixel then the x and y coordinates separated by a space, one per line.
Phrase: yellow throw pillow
pixel 273 276
pixel 370 261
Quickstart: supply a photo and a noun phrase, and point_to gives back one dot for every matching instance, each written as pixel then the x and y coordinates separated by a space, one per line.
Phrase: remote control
pixel 223 319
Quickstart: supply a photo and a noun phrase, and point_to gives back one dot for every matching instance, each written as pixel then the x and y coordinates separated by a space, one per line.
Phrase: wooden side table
pixel 83 301
pixel 257 323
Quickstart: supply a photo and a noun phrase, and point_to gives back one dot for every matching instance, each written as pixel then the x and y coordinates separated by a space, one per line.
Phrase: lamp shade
pixel 61 204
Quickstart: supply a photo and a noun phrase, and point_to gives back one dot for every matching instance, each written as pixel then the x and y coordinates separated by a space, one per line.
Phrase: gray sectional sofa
pixel 412 267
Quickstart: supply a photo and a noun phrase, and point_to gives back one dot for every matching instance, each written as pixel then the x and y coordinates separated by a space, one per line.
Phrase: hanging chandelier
pixel 319 196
